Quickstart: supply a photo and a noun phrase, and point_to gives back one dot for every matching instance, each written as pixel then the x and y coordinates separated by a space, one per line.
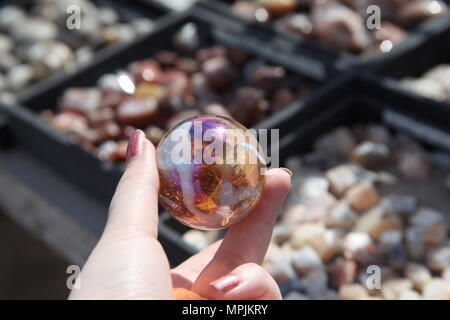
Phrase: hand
pixel 129 263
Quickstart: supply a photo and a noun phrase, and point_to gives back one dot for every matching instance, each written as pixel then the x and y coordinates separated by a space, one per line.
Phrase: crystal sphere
pixel 211 172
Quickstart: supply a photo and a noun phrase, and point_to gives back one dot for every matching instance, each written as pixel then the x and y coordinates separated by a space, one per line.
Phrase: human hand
pixel 129 263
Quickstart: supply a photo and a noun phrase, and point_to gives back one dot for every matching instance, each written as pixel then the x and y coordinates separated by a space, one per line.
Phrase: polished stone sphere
pixel 211 172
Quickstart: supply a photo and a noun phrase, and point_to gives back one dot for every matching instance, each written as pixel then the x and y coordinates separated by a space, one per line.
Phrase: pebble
pixel 195 238
pixel 435 235
pixel 352 291
pixel 356 241
pixel 430 88
pixel 315 282
pixel 390 239
pixel 339 143
pixel 426 217
pixel 436 289
pixel 392 289
pixel 376 221
pixel 413 165
pixel 409 295
pixel 446 275
pixel 19 76
pixel 311 186
pixel 281 233
pixel 294 214
pixel 371 154
pixel 307 234
pixel 438 259
pixel 341 216
pixel 342 271
pixel 318 208
pixel 403 205
pixel 418 274
pixel 414 240
pixel 306 259
pixel 340 179
pixel 281 271
pixel 362 196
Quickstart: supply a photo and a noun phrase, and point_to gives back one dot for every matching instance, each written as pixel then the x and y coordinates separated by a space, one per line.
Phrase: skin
pixel 129 263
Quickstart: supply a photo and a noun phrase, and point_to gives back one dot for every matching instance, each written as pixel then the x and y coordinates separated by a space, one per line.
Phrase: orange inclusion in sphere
pixel 211 172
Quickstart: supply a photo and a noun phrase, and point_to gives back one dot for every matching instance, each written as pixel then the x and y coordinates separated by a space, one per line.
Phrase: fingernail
pixel 287 170
pixel 135 144
pixel 225 283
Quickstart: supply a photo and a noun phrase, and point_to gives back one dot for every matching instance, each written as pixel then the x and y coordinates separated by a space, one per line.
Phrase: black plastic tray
pixel 84 169
pixel 326 58
pixel 129 10
pixel 356 101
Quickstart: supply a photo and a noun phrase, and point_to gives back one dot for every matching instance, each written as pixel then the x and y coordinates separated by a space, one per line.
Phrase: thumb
pixel 134 207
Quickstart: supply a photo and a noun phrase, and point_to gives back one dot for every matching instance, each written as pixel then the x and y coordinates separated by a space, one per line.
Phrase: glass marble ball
pixel 211 172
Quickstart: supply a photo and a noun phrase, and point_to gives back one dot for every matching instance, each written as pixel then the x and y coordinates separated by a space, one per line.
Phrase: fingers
pixel 246 282
pixel 134 207
pixel 247 241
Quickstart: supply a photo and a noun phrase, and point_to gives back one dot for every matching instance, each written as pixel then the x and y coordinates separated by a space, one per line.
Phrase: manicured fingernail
pixel 225 283
pixel 135 144
pixel 287 170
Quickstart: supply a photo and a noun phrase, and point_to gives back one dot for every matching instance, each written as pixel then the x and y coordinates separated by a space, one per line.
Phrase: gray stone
pixel 402 205
pixel 371 154
pixel 426 217
pixel 341 216
pixel 414 240
pixel 305 260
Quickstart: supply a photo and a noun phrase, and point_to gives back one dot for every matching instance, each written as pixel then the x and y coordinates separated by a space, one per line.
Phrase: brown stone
pixel 362 196
pixel 342 271
pixel 376 221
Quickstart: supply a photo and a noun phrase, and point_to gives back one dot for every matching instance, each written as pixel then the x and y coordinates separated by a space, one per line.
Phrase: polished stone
pixel 209 183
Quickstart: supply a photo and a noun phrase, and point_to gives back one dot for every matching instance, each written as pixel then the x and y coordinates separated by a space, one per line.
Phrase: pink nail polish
pixel 226 282
pixel 135 144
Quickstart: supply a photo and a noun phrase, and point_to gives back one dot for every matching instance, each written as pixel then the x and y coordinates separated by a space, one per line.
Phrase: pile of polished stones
pixel 343 24
pixel 367 218
pixel 434 84
pixel 35 41
pixel 155 94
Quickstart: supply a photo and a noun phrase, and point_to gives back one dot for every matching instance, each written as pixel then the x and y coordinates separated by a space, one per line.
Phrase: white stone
pixel 436 289
pixel 418 274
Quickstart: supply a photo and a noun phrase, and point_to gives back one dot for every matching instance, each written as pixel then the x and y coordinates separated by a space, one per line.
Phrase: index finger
pixel 247 241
